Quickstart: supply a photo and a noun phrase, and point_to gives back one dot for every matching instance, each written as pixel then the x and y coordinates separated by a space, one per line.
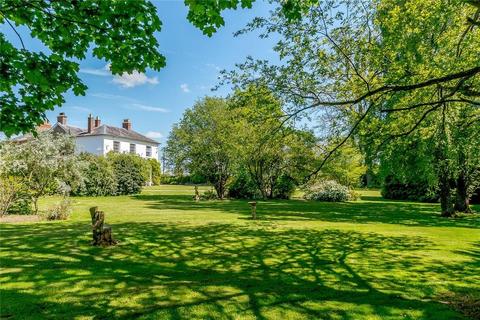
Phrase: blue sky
pixel 156 100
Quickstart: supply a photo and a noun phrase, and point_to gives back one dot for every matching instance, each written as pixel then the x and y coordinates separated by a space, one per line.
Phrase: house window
pixel 132 147
pixel 149 151
pixel 116 146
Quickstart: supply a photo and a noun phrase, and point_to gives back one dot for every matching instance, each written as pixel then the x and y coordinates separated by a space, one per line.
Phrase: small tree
pixel 41 164
pixel 203 143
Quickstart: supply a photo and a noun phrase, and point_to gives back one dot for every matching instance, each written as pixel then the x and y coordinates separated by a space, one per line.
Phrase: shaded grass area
pixel 178 259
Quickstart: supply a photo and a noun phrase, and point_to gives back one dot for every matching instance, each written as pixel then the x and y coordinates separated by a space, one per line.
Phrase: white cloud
pixel 111 96
pixel 102 72
pixel 134 79
pixel 154 135
pixel 185 87
pixel 126 80
pixel 147 108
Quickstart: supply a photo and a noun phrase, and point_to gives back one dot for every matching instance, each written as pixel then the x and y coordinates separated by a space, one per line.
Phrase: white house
pixel 100 138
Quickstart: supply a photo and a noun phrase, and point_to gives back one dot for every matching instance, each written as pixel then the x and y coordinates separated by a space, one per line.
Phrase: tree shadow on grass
pixel 391 212
pixel 163 271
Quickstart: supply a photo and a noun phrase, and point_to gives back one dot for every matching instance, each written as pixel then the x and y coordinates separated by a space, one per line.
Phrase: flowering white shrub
pixel 331 191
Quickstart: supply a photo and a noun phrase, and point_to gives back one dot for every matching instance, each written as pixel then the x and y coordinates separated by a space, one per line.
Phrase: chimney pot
pixel 127 125
pixel 90 123
pixel 62 118
pixel 97 122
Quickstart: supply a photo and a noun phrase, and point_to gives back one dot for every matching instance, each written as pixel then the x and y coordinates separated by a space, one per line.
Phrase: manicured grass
pixel 177 259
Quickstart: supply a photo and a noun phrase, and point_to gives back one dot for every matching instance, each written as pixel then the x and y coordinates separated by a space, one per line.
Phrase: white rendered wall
pixel 140 147
pixel 91 144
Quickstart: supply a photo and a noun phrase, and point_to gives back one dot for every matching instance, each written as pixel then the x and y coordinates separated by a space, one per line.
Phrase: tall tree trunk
pixel 220 189
pixel 444 167
pixel 446 197
pixel 462 201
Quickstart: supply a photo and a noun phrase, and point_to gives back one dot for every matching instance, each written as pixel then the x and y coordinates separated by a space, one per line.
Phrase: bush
pixel 209 195
pixel 22 205
pixel 128 171
pixel 13 196
pixel 98 177
pixel 396 190
pixel 284 188
pixel 61 211
pixel 242 187
pixel 330 191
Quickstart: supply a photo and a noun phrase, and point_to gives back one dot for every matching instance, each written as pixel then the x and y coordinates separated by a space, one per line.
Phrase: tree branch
pixel 13 28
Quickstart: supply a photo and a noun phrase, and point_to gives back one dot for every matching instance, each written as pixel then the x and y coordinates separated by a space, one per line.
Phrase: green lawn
pixel 177 259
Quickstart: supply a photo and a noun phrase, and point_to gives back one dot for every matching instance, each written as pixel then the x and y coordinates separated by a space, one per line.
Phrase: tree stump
pixel 102 233
pixel 253 204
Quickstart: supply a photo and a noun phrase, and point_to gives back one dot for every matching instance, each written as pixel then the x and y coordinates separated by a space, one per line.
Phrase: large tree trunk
pixel 446 200
pixel 462 201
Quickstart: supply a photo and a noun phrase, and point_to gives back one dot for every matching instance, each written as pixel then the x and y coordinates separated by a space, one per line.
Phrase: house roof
pixel 116 132
pixel 98 131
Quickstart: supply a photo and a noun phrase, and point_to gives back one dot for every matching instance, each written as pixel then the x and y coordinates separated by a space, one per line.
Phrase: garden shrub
pixel 242 187
pixel 128 171
pixel 22 205
pixel 60 211
pixel 329 190
pixel 98 177
pixel 284 187
pixel 414 191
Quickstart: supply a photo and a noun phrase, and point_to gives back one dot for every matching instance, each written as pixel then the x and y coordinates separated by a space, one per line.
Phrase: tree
pixel 275 154
pixel 384 66
pixel 122 32
pixel 360 57
pixel 203 143
pixel 43 165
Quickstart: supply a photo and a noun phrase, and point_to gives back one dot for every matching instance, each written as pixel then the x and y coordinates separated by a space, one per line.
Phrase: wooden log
pixel 102 234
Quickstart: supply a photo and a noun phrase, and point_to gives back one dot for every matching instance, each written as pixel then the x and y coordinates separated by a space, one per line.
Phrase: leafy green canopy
pixel 366 61
pixel 121 32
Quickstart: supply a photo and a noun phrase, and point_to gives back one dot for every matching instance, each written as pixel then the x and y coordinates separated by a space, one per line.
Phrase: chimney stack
pixel 62 118
pixel 97 122
pixel 127 124
pixel 90 123
pixel 44 126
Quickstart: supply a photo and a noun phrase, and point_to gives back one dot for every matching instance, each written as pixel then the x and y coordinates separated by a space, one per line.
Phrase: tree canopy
pixel 121 32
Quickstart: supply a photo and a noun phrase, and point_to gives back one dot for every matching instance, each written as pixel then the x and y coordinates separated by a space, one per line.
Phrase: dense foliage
pixel 329 190
pixel 381 74
pixel 241 146
pixel 99 177
pixel 128 170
